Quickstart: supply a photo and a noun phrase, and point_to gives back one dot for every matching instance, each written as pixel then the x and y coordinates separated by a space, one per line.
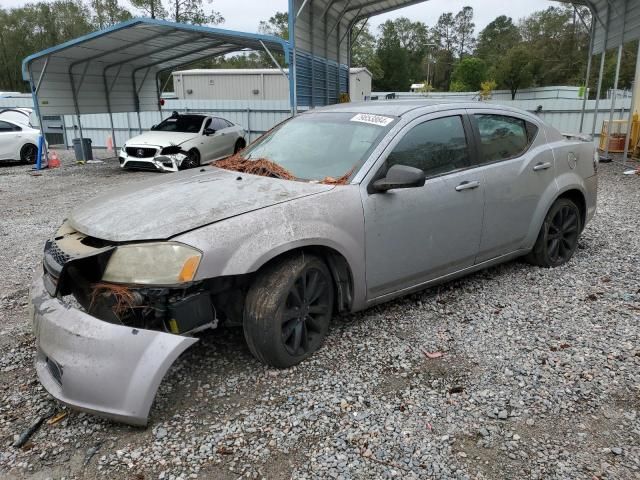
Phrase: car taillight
pixel 596 160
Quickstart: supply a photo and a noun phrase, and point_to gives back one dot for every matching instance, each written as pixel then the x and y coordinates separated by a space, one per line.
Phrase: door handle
pixel 467 185
pixel 542 166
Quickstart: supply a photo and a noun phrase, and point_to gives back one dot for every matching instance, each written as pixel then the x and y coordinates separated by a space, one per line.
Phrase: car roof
pixel 399 108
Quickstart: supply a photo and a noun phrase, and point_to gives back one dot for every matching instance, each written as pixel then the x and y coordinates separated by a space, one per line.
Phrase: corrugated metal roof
pixel 321 24
pixel 124 60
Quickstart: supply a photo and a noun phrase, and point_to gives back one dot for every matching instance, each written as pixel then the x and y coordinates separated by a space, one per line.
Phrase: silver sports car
pixel 333 211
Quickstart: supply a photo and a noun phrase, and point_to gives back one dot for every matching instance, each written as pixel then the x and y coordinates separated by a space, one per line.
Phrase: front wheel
pixel 192 160
pixel 288 309
pixel 558 237
pixel 240 144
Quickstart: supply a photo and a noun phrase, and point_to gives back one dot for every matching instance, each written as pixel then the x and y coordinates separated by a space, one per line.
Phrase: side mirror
pixel 400 176
pixel 153 127
pixel 208 131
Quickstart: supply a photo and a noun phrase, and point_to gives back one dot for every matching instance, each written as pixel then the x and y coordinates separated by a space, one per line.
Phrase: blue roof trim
pixel 154 22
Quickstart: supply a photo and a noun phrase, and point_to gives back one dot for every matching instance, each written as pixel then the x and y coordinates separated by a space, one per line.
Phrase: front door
pixel 9 141
pixel 419 234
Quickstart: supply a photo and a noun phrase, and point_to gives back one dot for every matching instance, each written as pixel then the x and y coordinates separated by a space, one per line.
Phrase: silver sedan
pixel 333 211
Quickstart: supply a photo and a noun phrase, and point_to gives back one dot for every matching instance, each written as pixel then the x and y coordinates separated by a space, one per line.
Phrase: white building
pixel 251 84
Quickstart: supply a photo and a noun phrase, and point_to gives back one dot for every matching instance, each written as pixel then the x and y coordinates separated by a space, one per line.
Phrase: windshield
pixel 321 146
pixel 181 123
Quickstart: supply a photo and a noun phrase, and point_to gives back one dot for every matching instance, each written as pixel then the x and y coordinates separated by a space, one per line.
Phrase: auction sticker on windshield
pixel 379 120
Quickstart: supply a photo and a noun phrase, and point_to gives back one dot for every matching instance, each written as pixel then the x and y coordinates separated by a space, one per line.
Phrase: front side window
pixel 503 137
pixel 435 147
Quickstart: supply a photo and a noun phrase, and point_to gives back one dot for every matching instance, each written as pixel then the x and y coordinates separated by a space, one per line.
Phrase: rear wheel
pixel 288 309
pixel 192 160
pixel 558 237
pixel 28 153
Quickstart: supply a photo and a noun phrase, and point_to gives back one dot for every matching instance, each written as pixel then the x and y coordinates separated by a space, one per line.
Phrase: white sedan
pixel 18 141
pixel 182 141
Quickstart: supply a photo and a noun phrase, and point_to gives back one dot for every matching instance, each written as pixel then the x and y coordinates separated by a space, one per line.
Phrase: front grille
pixel 140 165
pixel 55 370
pixel 58 255
pixel 141 152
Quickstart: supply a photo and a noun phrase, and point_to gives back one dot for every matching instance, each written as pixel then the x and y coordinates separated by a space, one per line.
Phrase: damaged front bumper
pixel 160 163
pixel 110 370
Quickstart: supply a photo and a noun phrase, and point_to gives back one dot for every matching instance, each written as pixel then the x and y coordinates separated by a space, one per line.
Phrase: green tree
pixel 193 11
pixel 363 50
pixel 464 29
pixel 496 38
pixel 469 74
pixel 277 25
pixel 557 43
pixel 514 72
pixel 151 8
pixel 393 60
pixel 108 12
pixel 34 27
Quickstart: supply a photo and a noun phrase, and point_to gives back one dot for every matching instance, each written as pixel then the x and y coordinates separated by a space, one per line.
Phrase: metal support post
pixel 108 99
pixel 35 88
pixel 77 109
pixel 601 74
pixel 613 101
pixel 588 77
pixel 632 110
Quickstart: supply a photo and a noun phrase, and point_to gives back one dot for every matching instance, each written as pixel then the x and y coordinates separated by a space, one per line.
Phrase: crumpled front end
pixel 99 367
pixel 168 159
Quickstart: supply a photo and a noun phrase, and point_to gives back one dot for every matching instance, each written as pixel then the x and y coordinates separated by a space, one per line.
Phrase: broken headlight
pixel 162 263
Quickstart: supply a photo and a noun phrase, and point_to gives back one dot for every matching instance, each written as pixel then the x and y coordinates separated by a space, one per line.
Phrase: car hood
pixel 161 139
pixel 164 207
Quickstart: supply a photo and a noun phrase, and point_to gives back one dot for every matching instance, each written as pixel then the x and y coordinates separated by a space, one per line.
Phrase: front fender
pixel 244 243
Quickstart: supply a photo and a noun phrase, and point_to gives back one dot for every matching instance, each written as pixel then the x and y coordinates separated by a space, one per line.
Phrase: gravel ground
pixel 539 375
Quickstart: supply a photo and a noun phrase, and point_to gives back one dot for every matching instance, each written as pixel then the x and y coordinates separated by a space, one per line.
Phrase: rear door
pixel 417 234
pixel 518 168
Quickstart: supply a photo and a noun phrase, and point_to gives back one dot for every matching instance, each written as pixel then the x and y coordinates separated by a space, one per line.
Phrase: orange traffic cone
pixel 54 160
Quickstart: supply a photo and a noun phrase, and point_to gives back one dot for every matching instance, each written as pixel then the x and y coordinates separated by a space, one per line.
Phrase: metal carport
pixel 321 33
pixel 118 69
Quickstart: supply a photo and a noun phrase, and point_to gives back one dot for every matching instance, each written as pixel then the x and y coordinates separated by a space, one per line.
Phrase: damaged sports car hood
pixel 163 207
pixel 161 139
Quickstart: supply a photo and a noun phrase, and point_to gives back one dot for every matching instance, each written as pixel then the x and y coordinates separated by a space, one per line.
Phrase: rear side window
pixel 219 124
pixel 435 147
pixel 503 137
pixel 8 127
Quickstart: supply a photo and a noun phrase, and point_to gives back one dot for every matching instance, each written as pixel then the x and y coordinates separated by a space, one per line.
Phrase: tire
pixel 240 144
pixel 28 154
pixel 558 237
pixel 192 161
pixel 288 309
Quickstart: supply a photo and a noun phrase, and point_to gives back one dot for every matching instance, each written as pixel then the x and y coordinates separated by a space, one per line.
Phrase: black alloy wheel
pixel 192 160
pixel 306 309
pixel 288 309
pixel 558 237
pixel 562 235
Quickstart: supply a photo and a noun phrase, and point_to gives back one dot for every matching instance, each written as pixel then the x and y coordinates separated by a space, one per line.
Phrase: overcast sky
pixel 245 15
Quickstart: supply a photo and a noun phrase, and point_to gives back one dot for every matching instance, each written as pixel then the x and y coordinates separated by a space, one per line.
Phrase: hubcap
pixel 562 235
pixel 306 311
